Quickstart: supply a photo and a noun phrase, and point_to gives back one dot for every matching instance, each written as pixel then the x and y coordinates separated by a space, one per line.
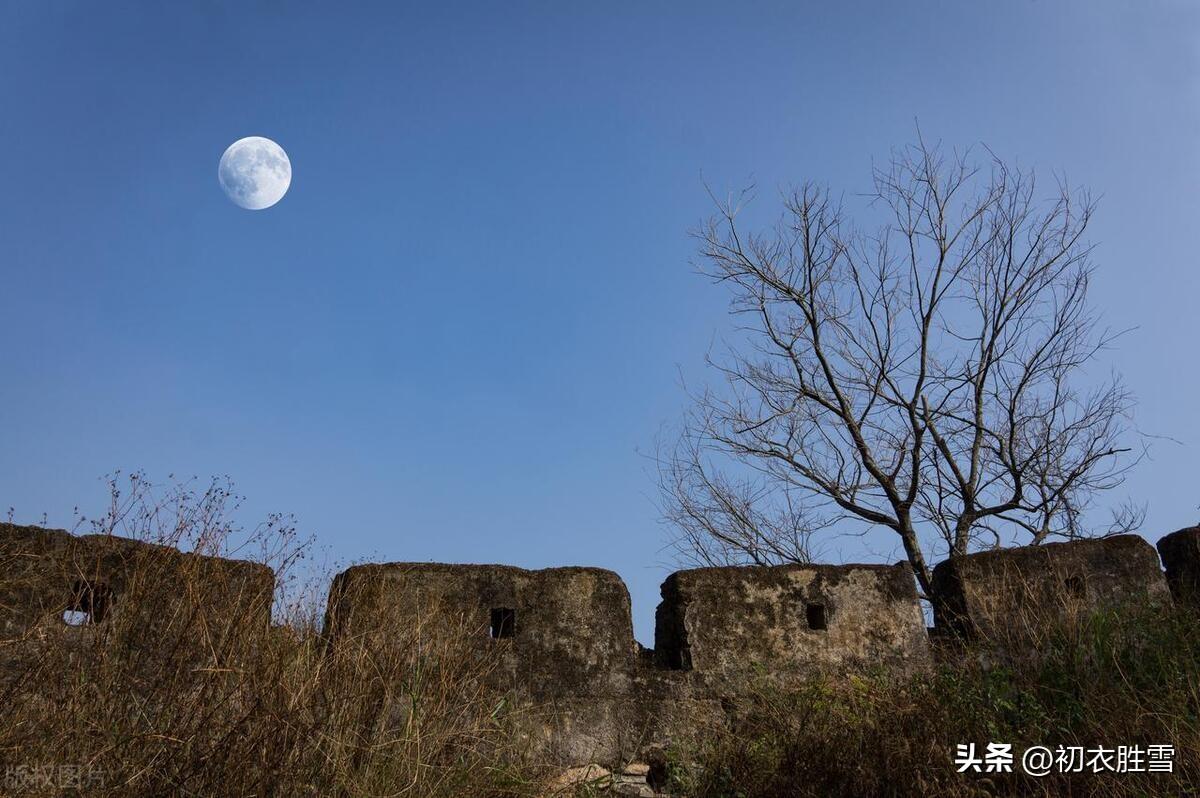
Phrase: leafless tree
pixel 923 377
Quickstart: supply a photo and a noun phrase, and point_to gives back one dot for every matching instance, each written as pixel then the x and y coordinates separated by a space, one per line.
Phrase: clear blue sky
pixel 459 334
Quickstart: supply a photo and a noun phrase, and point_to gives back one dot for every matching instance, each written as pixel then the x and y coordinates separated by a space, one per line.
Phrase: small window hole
pixel 1075 586
pixel 815 614
pixel 504 622
pixel 88 605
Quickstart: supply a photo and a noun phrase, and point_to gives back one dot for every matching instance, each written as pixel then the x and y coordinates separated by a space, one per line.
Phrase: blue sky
pixel 460 333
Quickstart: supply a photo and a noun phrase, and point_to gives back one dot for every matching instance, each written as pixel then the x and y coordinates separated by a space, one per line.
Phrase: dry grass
pixel 1124 675
pixel 167 697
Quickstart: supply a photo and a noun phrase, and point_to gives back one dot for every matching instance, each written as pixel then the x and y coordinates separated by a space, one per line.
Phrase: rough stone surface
pixel 789 620
pixel 587 692
pixel 580 729
pixel 594 779
pixel 571 630
pixel 558 643
pixel 995 594
pixel 563 648
pixel 1181 557
pixel 45 572
pixel 570 780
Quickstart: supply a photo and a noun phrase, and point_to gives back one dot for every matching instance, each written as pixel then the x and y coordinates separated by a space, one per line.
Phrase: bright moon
pixel 255 172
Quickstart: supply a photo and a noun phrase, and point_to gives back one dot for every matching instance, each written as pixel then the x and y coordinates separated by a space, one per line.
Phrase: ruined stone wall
pixel 790 619
pixel 559 641
pixel 1013 593
pixel 558 632
pixel 47 573
pixel 562 638
pixel 1180 553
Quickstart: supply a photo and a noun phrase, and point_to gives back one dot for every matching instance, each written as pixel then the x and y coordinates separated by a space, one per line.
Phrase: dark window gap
pixel 504 623
pixel 89 604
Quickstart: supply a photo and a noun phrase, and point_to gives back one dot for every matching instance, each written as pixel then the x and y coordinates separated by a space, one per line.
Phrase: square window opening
pixel 815 615
pixel 504 622
pixel 1075 586
pixel 89 604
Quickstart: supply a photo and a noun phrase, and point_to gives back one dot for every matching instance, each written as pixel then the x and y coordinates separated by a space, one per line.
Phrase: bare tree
pixel 921 378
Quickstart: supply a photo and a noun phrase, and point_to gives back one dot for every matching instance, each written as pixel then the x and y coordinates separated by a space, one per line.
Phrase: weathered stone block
pixel 1007 594
pixel 47 573
pixel 789 620
pixel 572 730
pixel 1180 553
pixel 558 632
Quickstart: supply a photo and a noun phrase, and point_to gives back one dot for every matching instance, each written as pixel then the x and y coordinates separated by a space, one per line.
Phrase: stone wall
pixel 559 632
pixel 562 643
pixel 1013 593
pixel 47 573
pixel 1180 553
pixel 559 641
pixel 789 619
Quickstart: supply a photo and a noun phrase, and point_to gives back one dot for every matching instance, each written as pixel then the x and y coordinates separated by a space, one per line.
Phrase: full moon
pixel 255 172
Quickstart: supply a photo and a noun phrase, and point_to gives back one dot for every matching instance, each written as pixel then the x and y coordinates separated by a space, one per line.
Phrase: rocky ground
pixel 637 780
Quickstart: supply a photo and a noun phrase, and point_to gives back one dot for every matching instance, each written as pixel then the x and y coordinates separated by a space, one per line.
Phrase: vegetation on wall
pixel 153 702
